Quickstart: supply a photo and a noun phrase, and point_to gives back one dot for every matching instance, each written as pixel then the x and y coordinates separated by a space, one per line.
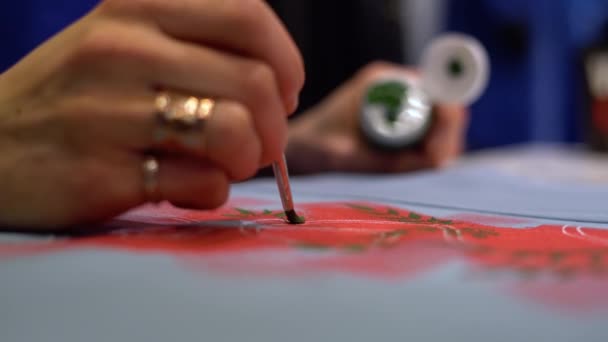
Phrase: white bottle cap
pixel 455 69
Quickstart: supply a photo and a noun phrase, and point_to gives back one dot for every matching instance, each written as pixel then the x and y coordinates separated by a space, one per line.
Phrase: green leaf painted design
pixel 244 211
pixel 522 254
pixel 599 270
pixel 596 258
pixel 414 216
pixel 267 212
pixel 480 233
pixel 392 212
pixel 356 248
pixel 557 256
pixel 361 207
pixel 389 95
pixel 436 220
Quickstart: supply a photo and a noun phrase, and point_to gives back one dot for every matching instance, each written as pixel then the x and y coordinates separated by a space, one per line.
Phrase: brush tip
pixel 293 218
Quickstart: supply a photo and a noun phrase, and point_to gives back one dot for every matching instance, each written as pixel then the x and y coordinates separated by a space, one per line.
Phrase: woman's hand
pixel 328 137
pixel 77 115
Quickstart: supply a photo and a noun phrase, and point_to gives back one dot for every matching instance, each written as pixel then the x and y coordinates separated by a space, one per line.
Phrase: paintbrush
pixel 282 176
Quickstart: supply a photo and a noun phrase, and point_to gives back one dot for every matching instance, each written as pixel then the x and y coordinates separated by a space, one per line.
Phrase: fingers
pixel 78 189
pixel 192 69
pixel 445 140
pixel 224 76
pixel 93 105
pixel 182 181
pixel 191 184
pixel 245 27
pixel 227 138
pixel 230 141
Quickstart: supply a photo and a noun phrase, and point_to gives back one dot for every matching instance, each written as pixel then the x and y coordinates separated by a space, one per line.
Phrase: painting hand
pixel 78 115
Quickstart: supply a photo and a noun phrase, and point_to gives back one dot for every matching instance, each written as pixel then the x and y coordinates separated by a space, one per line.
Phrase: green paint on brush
pixel 293 218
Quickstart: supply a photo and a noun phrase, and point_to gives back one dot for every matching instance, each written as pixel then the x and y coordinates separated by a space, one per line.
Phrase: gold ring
pixel 150 168
pixel 183 112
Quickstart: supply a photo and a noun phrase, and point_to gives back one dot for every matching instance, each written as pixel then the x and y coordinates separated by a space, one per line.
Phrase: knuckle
pixel 67 122
pixel 379 69
pixel 108 42
pixel 259 89
pixel 236 109
pixel 245 146
pixel 98 42
pixel 237 124
pixel 375 69
pixel 378 65
pixel 258 80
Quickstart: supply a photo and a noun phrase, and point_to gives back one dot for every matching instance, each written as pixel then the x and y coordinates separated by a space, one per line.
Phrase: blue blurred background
pixel 536 90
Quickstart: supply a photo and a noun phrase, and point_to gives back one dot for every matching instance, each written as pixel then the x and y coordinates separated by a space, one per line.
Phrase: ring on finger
pixel 150 168
pixel 183 112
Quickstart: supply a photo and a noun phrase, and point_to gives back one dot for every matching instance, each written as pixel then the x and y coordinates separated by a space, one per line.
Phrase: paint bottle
pixel 595 63
pixel 397 111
